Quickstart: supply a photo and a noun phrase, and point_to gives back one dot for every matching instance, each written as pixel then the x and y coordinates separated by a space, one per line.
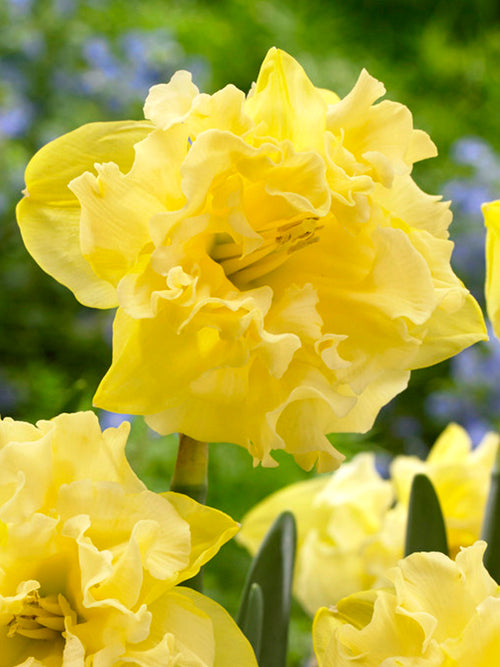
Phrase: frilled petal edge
pixel 49 213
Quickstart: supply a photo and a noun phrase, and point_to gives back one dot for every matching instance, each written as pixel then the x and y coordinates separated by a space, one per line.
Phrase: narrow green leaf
pixel 425 530
pixel 491 525
pixel 251 618
pixel 272 570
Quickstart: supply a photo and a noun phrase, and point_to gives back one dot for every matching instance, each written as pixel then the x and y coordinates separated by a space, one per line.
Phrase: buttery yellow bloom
pixel 491 213
pixel 351 524
pixel 277 271
pixel 90 560
pixel 338 516
pixel 435 612
pixel 461 476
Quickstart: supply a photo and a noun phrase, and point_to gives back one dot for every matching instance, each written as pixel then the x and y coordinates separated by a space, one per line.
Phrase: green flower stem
pixel 191 478
pixel 191 467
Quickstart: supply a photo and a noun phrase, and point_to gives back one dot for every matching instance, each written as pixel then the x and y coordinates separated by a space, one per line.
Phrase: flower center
pixel 278 243
pixel 40 618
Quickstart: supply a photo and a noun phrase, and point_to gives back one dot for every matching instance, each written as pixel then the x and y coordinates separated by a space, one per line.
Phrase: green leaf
pixel 251 618
pixel 425 530
pixel 491 525
pixel 272 570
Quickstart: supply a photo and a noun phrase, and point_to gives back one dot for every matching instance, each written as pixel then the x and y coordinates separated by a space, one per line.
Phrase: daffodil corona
pixel 90 560
pixel 277 271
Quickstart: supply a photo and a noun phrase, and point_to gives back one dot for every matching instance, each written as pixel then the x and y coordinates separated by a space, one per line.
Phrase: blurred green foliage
pixel 67 62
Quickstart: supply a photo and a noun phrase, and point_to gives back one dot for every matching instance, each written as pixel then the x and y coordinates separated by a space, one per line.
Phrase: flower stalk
pixel 191 478
pixel 191 466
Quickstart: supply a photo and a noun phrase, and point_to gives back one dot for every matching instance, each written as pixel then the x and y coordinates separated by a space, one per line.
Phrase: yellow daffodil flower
pixel 351 524
pixel 91 561
pixel 436 612
pixel 491 213
pixel 277 271
pixel 460 474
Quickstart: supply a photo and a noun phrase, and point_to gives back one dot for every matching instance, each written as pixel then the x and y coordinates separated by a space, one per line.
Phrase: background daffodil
pixel 491 213
pixel 435 612
pixel 351 524
pixel 90 560
pixel 277 271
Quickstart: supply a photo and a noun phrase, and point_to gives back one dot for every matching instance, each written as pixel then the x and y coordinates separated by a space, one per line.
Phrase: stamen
pixel 40 618
pixel 278 243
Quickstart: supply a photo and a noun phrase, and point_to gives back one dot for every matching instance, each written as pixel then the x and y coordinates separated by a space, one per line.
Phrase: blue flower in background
pixel 471 393
pixel 16 119
pixel 65 7
pixel 121 72
pixel 20 6
pixel 473 396
pixel 467 194
pixel 477 153
pixel 112 419
pixel 8 395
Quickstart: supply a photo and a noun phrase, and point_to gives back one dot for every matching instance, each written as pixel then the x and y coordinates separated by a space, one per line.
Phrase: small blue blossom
pixel 467 195
pixel 8 395
pixel 112 419
pixel 20 6
pixel 64 7
pixel 15 120
pixel 471 151
pixel 444 406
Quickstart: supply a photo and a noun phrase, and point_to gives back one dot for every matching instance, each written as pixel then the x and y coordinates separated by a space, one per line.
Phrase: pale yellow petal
pixel 352 109
pixel 210 529
pixel 406 201
pixel 326 572
pixel 49 214
pixel 168 103
pixel 421 575
pixel 453 445
pixel 231 646
pixel 112 249
pixel 284 104
pixel 323 636
pixel 89 558
pixel 491 214
pixel 389 638
pixel 297 498
pixel 479 644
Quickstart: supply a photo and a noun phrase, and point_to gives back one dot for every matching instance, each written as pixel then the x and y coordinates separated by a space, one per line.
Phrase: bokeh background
pixel 67 62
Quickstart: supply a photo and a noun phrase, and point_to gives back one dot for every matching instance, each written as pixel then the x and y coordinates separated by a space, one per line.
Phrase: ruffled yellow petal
pixel 285 105
pixel 479 644
pixel 389 637
pixel 113 249
pixel 351 524
pixel 90 558
pixel 338 518
pixel 49 214
pixel 420 576
pixel 169 103
pixel 209 530
pixel 437 613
